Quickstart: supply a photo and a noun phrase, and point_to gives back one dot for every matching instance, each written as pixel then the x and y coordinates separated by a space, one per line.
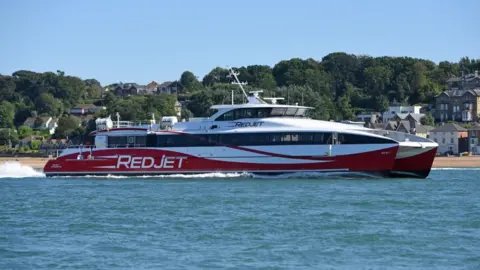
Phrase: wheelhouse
pixel 235 113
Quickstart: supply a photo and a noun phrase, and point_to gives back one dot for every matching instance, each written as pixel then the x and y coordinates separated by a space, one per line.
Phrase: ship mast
pixel 234 74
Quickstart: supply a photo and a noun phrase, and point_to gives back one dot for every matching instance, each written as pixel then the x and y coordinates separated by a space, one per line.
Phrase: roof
pixel 475 126
pixel 419 128
pixel 166 84
pixel 31 120
pixel 449 127
pixel 254 105
pixel 83 106
pixel 459 93
pixel 417 116
pixel 405 124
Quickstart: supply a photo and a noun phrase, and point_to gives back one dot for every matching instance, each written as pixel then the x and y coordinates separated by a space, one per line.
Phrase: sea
pixel 239 221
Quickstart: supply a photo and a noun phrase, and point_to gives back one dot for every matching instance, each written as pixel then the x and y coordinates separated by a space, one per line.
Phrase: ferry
pixel 255 137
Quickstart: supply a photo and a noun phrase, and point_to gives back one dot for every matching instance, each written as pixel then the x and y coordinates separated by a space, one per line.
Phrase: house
pixel 378 126
pixel 127 89
pixel 393 110
pixel 408 123
pixel 170 87
pixel 151 88
pixel 372 117
pixel 86 109
pixel 464 82
pixel 458 105
pixel 461 102
pixel 473 142
pixel 42 123
pixel 448 137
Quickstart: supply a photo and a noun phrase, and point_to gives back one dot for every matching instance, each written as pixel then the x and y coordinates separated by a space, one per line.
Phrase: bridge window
pixel 243 113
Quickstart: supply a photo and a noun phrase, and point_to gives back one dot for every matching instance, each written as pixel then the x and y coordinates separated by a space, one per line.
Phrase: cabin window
pixel 278 111
pixel 151 140
pixel 211 112
pixel 300 112
pixel 290 111
pixel 117 141
pixel 360 139
pixel 242 139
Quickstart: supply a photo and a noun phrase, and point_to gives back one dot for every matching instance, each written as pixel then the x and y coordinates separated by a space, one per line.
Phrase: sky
pixel 156 40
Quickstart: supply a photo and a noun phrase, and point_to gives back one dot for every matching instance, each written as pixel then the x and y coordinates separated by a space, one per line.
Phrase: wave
pixel 13 169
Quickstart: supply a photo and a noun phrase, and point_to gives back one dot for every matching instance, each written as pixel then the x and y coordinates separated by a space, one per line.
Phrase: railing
pixel 398 136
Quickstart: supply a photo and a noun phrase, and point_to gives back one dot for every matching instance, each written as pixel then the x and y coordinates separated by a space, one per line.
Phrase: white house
pixel 42 123
pixel 394 110
pixel 447 137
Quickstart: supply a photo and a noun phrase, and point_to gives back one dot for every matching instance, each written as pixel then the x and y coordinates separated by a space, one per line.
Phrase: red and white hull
pixel 414 159
pixel 371 159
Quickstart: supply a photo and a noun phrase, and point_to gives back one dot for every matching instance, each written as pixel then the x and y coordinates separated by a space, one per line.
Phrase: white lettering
pixel 165 162
pixel 159 166
pixel 168 164
pixel 144 162
pixel 136 163
pixel 180 161
pixel 125 162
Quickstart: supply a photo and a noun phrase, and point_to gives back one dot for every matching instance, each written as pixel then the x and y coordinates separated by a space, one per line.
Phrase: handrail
pixel 398 136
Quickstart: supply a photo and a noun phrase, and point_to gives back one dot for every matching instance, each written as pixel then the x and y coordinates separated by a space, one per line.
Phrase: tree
pixel 7 114
pixel 190 82
pixel 428 120
pixel 24 131
pixel 216 75
pixel 199 104
pixel 66 126
pixel 46 104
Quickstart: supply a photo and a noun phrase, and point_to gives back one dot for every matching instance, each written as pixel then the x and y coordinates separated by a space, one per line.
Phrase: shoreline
pixel 439 162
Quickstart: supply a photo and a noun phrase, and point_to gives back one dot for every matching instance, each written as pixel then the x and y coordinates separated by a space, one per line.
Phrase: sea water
pixel 237 221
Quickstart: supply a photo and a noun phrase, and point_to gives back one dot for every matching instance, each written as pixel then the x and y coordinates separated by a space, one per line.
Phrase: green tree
pixel 216 75
pixel 190 82
pixel 46 104
pixel 66 126
pixel 199 104
pixel 428 120
pixel 7 114
pixel 24 131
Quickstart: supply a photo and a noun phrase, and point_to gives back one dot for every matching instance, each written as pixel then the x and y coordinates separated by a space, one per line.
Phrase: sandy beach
pixel 440 162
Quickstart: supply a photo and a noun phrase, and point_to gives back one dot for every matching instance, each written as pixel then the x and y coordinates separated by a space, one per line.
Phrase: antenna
pixel 237 81
pixel 118 119
pixel 274 100
pixel 255 93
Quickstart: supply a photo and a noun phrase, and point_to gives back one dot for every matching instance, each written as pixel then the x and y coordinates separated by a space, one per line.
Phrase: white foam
pixel 200 175
pixel 12 169
pixel 457 169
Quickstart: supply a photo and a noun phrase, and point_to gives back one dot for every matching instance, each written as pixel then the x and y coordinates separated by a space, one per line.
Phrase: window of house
pixel 451 140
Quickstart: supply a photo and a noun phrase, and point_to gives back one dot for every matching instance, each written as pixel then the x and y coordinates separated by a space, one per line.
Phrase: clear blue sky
pixel 145 40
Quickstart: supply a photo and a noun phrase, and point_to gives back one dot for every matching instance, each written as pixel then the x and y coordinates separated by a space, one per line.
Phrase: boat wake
pixel 244 175
pixel 12 169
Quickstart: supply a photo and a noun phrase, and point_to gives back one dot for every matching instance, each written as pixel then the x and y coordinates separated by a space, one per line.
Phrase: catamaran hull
pixel 414 161
pixel 146 161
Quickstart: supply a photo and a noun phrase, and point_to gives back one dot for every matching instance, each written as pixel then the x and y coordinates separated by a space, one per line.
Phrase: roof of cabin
pixel 251 105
